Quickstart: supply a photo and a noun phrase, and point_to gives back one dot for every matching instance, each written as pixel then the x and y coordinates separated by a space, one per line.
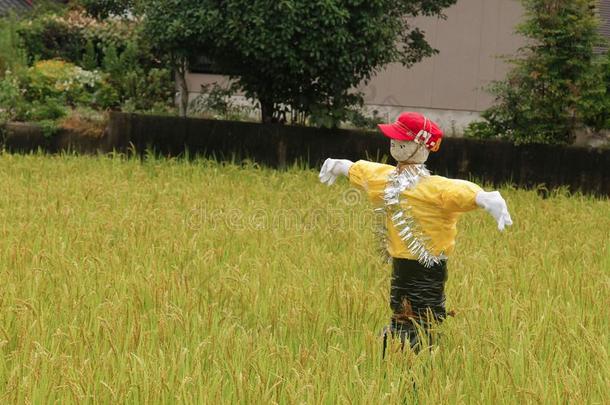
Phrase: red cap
pixel 412 126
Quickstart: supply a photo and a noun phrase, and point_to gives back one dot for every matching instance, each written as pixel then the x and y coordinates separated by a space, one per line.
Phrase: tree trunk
pixel 266 111
pixel 182 87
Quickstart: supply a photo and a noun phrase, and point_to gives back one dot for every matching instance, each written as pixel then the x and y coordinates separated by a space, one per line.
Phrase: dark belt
pixel 417 292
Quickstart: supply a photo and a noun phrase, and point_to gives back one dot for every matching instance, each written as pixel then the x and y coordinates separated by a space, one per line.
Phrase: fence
pixel 498 162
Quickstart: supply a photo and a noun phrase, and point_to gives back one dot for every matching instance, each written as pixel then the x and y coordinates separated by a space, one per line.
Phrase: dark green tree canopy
pixel 306 56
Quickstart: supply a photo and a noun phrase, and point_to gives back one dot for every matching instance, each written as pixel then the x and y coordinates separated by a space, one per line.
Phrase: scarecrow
pixel 419 214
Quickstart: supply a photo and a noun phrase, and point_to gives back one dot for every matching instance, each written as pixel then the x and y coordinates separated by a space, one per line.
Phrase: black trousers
pixel 417 299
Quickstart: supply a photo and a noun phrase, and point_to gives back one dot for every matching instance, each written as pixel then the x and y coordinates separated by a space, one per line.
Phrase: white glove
pixel 493 203
pixel 333 168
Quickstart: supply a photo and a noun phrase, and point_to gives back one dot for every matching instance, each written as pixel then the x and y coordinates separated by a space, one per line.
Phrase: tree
pixel 297 56
pixel 177 30
pixel 557 81
pixel 104 8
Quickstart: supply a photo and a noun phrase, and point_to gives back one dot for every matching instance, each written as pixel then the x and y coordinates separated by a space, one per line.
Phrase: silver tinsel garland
pixel 400 213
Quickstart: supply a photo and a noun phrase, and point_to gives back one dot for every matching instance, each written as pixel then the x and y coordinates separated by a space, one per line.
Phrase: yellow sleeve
pixel 459 195
pixel 370 177
pixel 363 174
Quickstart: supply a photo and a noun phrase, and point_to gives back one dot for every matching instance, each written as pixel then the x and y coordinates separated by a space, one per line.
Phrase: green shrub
pixel 360 118
pixel 156 88
pixel 68 36
pixel 15 107
pixel 482 130
pixel 50 37
pixel 46 93
pixel 557 84
pixel 61 80
pixel 49 109
pixel 105 96
pixel 12 101
pixel 332 113
pixel 137 88
pixel 596 106
pixel 131 73
pixel 213 101
pixel 90 57
pixel 49 127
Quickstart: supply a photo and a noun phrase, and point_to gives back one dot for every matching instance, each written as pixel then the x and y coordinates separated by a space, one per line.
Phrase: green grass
pixel 167 281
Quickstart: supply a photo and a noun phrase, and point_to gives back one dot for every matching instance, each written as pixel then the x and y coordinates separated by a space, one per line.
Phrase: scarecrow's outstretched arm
pixel 493 203
pixel 333 168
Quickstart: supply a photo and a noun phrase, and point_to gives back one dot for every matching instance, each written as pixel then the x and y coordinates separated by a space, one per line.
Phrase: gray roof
pixel 17 5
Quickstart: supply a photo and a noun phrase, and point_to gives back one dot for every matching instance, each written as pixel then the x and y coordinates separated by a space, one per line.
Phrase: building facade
pixel 450 86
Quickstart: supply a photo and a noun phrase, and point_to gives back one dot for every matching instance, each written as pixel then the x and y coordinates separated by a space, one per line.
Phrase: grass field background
pixel 165 281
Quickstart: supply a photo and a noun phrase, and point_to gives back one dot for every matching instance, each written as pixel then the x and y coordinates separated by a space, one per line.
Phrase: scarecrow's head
pixel 413 136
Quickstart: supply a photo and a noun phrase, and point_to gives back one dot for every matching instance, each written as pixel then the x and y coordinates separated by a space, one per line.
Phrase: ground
pixel 165 280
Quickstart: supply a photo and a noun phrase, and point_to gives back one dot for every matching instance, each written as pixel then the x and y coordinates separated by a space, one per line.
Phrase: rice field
pixel 165 281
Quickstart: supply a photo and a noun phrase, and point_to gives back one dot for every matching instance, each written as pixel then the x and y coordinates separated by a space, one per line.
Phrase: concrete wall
pixel 448 87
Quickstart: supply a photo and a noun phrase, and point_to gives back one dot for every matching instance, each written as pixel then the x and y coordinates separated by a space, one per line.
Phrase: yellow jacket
pixel 437 203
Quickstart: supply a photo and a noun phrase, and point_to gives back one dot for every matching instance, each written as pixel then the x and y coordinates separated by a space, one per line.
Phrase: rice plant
pixel 167 281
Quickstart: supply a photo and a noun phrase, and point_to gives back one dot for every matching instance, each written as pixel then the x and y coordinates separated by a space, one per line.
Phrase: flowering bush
pixel 63 80
pixel 56 78
pixel 131 75
pixel 58 62
pixel 15 107
pixel 46 93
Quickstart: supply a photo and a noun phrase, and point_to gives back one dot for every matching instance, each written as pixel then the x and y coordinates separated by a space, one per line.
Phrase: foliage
pixel 47 91
pixel 77 62
pixel 215 101
pixel 104 8
pixel 85 121
pixel 66 36
pixel 61 80
pixel 15 107
pixel 353 115
pixel 26 94
pixel 56 79
pixel 48 126
pixel 51 37
pixel 136 85
pixel 301 55
pixel 176 31
pixel 12 103
pixel 362 119
pixel 113 46
pixel 557 84
pixel 596 106
pixel 90 57
pixel 47 110
pixel 12 56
